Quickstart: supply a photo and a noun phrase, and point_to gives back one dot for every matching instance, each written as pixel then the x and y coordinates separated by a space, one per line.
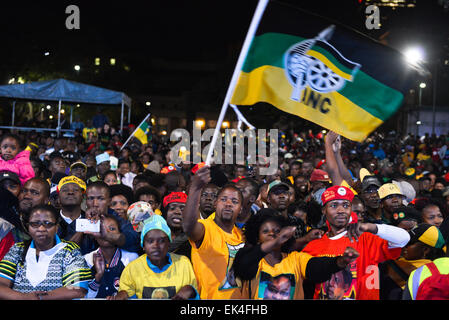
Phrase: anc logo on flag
pixel 317 64
pixel 322 71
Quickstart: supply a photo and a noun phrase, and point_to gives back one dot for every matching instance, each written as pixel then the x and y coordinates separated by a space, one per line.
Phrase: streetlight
pixel 77 67
pixel 415 57
pixel 422 85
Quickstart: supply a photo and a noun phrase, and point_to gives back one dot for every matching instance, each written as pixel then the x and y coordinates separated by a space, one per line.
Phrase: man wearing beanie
pixel 173 206
pixel 375 243
pixel 430 281
pixel 425 245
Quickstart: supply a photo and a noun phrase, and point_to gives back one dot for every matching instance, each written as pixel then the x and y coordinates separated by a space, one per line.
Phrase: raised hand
pixel 286 233
pixel 348 257
pixel 99 266
pixel 201 178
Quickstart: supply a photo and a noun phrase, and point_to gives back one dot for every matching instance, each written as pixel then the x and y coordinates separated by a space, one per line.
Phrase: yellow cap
pixel 71 179
pixel 388 189
pixel 363 173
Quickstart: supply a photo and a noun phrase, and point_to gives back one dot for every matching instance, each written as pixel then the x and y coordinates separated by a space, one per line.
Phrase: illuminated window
pixel 97 61
pixel 112 61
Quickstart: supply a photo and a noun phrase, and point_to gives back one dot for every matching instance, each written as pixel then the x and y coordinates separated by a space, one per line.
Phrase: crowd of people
pixel 85 217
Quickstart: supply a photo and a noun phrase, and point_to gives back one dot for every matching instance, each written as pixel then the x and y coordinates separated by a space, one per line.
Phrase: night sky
pixel 199 31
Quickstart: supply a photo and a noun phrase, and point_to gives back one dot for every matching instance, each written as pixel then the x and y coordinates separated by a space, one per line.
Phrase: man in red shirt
pixel 375 243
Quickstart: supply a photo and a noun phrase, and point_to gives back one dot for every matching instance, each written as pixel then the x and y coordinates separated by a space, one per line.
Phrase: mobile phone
pixel 83 225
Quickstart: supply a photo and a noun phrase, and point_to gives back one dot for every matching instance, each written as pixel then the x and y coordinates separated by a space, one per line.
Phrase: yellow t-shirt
pixel 86 132
pixel 212 216
pixel 422 156
pixel 407 158
pixel 139 280
pixel 282 281
pixel 213 260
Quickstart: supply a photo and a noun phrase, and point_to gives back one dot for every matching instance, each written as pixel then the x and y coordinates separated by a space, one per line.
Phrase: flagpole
pixel 249 37
pixel 129 138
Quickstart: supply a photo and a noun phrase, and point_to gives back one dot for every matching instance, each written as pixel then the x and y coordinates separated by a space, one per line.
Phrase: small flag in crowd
pixel 328 74
pixel 141 133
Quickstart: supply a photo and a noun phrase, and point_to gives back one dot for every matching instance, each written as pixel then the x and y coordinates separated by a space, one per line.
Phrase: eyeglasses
pixel 37 224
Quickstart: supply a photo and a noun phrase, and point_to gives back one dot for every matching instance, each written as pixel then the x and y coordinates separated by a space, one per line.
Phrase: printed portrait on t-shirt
pixel 159 292
pixel 281 287
pixel 341 285
pixel 230 281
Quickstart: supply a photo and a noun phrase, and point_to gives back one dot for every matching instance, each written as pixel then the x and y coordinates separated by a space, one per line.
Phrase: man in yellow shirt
pixel 214 241
pixel 89 131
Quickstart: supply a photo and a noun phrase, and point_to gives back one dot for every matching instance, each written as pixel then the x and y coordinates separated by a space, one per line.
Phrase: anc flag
pixel 326 73
pixel 141 133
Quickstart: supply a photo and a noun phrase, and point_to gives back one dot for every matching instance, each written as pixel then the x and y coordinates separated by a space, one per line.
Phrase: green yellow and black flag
pixel 321 71
pixel 142 132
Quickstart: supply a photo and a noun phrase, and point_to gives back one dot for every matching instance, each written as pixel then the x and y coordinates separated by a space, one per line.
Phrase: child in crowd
pixel 107 262
pixel 14 159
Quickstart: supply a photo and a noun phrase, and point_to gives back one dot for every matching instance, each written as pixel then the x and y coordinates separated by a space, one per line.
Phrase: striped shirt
pixel 64 267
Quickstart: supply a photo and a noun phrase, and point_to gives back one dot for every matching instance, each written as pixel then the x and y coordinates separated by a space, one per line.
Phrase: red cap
pixel 337 193
pixel 174 197
pixel 238 179
pixel 168 169
pixel 446 177
pixel 319 175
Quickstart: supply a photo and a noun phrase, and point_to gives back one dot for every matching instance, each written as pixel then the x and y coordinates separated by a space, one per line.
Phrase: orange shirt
pixel 213 260
pixel 360 280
